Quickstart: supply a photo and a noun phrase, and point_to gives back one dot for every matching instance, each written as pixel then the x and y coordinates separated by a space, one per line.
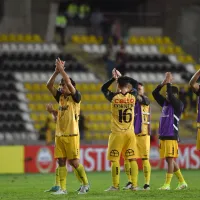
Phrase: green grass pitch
pixel 32 186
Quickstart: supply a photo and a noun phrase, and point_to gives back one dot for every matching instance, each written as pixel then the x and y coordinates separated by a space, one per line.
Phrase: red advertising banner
pixel 40 158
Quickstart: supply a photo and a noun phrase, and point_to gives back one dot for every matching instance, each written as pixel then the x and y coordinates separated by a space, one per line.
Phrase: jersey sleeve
pixel 134 93
pixel 58 94
pixel 107 93
pixel 144 100
pixel 157 96
pixel 77 96
pixel 176 103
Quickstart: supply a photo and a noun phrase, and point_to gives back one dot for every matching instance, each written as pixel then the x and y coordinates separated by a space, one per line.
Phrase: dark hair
pixel 123 81
pixel 139 83
pixel 72 81
pixel 175 90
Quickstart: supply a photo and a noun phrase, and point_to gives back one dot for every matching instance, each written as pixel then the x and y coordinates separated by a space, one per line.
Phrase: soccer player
pixel 121 138
pixel 172 108
pixel 56 187
pixel 67 141
pixel 142 131
pixel 196 89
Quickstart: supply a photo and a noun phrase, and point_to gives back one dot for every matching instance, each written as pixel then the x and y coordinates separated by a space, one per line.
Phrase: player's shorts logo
pixel 114 153
pixel 129 152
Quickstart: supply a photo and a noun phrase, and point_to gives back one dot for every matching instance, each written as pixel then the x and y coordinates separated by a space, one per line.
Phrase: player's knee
pixel 74 163
pixel 132 159
pixel 145 159
pixel 169 160
pixel 61 162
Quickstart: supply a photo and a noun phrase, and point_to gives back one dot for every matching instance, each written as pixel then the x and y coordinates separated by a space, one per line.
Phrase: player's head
pixel 63 86
pixel 140 89
pixel 174 91
pixel 123 83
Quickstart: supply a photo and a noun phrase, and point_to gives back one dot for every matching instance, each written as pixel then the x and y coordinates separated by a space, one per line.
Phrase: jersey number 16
pixel 125 116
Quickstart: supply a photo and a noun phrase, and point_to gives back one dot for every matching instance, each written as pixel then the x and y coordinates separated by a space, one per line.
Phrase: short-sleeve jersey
pixel 68 115
pixel 122 112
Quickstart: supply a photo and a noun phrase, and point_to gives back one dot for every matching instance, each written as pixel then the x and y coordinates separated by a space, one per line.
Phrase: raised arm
pixel 60 65
pixel 50 83
pixel 144 100
pixel 193 82
pixel 134 83
pixel 157 96
pixel 107 93
pixel 75 94
pixel 156 93
pixel 175 102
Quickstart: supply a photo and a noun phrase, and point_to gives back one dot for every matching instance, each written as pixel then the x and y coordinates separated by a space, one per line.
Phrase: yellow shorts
pixel 124 143
pixel 198 139
pixel 168 148
pixel 143 146
pixel 67 147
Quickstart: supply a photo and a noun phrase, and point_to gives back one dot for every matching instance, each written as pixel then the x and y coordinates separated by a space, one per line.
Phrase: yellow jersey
pixel 122 112
pixel 68 114
pixel 145 119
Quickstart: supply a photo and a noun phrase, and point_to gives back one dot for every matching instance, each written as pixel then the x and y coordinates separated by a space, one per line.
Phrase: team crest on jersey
pixel 114 153
pixel 62 108
pixel 129 152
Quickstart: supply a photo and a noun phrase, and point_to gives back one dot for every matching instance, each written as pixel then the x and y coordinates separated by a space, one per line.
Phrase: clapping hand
pixel 116 74
pixel 60 65
pixel 168 78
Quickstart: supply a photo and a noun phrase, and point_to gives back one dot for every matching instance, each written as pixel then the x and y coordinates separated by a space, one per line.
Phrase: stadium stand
pixel 24 90
pixel 15 123
pixel 147 59
pixel 25 69
pixel 28 38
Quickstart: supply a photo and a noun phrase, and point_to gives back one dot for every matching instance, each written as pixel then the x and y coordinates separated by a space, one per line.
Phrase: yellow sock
pixel 146 171
pixel 127 169
pixel 179 176
pixel 57 178
pixel 115 171
pixel 134 172
pixel 77 176
pixel 168 178
pixel 81 172
pixel 63 177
